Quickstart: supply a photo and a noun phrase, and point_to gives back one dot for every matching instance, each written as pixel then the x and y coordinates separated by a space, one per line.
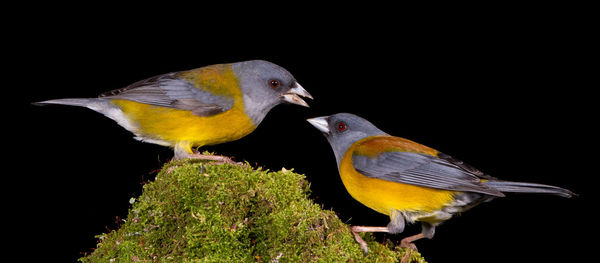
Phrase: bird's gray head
pixel 266 85
pixel 344 129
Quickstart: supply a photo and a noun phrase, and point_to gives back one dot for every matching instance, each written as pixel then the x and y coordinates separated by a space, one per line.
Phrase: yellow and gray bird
pixel 408 181
pixel 204 106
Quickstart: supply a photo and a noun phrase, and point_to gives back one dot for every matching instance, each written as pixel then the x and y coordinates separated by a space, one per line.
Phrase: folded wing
pixel 402 166
pixel 172 92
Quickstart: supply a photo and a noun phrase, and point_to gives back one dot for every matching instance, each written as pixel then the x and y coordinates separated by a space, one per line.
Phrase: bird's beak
pixel 293 95
pixel 320 123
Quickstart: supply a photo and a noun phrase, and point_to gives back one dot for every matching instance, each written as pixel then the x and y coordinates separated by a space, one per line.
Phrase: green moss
pixel 195 212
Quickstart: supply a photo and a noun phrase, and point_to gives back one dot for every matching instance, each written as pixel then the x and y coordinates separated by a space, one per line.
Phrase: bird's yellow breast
pixel 180 126
pixel 384 196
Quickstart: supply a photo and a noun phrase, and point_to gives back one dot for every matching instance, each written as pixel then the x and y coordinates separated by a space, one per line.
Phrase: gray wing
pixel 421 170
pixel 170 91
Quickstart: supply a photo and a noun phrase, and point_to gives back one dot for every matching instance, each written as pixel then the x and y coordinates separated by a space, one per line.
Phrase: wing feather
pixel 170 91
pixel 422 170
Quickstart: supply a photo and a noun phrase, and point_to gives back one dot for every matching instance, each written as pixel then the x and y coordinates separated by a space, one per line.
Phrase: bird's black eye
pixel 341 126
pixel 274 83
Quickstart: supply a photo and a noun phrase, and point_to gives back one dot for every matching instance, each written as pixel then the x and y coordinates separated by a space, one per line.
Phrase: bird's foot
pixel 217 159
pixel 410 248
pixel 361 242
pixel 408 245
pixel 407 242
pixel 357 229
pixel 406 257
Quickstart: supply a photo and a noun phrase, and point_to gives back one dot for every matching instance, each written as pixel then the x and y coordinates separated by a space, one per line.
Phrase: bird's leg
pixel 183 150
pixel 395 226
pixel 407 242
pixel 427 231
pixel 219 159
pixel 357 229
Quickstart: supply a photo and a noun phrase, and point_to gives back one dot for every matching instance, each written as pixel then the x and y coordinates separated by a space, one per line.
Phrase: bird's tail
pixel 72 102
pixel 521 187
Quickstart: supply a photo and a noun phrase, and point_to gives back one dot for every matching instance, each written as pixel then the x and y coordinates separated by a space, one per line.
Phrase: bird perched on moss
pixel 408 181
pixel 203 106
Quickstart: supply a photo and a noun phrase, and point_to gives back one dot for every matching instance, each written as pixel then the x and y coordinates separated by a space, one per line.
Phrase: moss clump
pixel 195 212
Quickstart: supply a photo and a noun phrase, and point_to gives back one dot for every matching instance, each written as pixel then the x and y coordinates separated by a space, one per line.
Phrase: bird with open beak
pixel 204 106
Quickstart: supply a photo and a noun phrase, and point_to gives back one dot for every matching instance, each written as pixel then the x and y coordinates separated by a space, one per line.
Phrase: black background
pixel 506 92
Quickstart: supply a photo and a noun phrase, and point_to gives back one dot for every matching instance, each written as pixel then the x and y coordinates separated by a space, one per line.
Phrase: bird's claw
pixel 360 241
pixel 408 245
pixel 216 159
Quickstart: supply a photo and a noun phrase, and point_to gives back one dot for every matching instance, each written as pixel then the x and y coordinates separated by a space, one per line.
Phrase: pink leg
pixel 357 229
pixel 407 243
pixel 220 159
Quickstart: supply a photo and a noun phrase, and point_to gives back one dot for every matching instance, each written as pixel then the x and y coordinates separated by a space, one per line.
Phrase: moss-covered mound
pixel 196 212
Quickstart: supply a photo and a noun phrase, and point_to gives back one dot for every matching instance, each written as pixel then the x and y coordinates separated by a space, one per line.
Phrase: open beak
pixel 294 95
pixel 320 123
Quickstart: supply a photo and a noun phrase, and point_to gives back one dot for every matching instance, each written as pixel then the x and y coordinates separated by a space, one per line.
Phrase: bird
pixel 408 181
pixel 188 109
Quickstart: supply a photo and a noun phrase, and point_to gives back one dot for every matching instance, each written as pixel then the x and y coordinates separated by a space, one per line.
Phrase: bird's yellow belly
pixel 174 126
pixel 384 196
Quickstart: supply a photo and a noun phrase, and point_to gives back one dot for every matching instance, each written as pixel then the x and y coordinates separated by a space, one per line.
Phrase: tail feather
pixel 72 102
pixel 103 106
pixel 521 187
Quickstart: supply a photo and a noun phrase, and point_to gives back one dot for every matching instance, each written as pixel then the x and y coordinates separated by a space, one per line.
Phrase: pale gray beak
pixel 320 123
pixel 293 95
